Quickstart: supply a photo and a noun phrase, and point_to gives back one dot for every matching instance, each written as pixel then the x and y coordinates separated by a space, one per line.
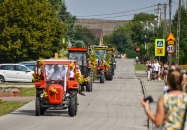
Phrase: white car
pixel 15 73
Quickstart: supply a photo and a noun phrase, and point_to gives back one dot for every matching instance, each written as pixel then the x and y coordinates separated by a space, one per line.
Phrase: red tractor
pixel 55 86
pixel 81 55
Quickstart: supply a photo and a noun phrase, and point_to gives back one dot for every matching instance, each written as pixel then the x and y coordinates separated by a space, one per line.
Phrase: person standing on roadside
pixel 159 71
pixel 156 69
pixel 149 70
pixel 165 69
pixel 137 59
pixel 169 113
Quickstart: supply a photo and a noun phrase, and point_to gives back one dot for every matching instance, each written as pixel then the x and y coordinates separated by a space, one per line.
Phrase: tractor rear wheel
pixel 89 86
pixel 102 78
pixel 109 76
pixel 72 108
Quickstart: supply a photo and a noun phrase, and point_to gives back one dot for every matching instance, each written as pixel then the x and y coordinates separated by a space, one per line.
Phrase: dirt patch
pixel 8 92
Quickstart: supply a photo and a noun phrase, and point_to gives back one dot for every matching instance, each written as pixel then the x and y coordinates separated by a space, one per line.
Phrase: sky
pixel 116 9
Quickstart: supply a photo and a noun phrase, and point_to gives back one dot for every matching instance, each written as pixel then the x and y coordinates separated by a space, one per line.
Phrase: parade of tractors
pixel 59 80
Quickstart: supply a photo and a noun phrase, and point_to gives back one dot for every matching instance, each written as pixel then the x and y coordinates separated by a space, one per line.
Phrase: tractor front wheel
pixel 72 108
pixel 38 107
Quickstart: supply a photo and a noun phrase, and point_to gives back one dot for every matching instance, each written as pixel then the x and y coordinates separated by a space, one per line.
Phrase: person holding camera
pixel 171 107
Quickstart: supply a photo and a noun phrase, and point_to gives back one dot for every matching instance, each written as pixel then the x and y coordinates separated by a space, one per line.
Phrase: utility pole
pixel 165 23
pixel 159 15
pixel 170 1
pixel 178 33
pixel 169 55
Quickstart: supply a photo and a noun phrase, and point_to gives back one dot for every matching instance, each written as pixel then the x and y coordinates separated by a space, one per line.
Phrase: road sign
pixel 171 42
pixel 171 37
pixel 137 49
pixel 170 49
pixel 159 47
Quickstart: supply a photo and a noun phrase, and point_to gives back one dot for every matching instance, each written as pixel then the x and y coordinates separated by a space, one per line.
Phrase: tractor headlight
pixel 41 95
pixel 74 85
pixel 37 85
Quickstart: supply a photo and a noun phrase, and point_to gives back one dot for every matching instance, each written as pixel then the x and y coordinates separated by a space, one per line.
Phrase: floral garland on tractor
pixel 107 61
pixel 93 64
pixel 37 76
pixel 79 77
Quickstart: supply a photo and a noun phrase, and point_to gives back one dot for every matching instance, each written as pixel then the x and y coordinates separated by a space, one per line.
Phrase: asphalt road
pixel 114 105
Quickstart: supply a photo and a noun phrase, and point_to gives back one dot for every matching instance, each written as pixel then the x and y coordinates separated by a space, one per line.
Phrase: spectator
pixel 165 69
pixel 159 71
pixel 137 59
pixel 156 69
pixel 149 70
pixel 166 88
pixel 183 80
pixel 173 66
pixel 169 113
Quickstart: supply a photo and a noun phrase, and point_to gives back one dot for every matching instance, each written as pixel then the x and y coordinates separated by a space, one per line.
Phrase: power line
pixel 148 11
pixel 119 12
pixel 126 14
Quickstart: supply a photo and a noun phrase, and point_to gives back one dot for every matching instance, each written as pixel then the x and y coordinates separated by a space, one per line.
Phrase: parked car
pixel 29 64
pixel 15 73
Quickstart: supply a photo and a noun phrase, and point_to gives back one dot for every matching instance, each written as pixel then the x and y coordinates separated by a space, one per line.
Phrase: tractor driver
pixel 57 74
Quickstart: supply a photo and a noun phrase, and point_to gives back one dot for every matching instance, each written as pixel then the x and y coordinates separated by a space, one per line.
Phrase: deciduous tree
pixel 29 29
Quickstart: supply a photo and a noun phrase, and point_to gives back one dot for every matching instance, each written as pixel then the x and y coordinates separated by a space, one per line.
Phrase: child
pixel 166 88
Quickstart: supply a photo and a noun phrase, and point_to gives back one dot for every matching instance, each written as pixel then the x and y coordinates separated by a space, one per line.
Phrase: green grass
pixel 27 92
pixel 9 106
pixel 140 67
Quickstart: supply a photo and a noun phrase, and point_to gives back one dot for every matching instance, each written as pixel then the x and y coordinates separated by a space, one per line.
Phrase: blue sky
pixel 116 9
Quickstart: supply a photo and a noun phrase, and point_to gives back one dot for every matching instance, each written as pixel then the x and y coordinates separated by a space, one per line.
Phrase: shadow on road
pixel 63 113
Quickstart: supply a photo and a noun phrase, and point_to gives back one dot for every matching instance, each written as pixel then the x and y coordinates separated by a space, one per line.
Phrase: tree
pixel 134 34
pixel 68 20
pixel 29 29
pixel 183 34
pixel 86 35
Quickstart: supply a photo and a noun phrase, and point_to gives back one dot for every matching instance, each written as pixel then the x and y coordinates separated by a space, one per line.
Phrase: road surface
pixel 114 105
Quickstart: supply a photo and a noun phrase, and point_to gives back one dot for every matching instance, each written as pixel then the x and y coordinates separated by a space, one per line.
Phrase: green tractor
pixel 105 62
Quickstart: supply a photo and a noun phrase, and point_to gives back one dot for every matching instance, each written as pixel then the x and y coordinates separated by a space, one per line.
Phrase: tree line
pixel 142 31
pixel 33 29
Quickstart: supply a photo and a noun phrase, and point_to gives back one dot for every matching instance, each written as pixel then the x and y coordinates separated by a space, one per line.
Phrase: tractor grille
pixel 56 96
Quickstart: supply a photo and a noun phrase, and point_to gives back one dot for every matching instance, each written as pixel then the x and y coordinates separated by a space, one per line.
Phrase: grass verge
pixel 9 106
pixel 27 92
pixel 140 67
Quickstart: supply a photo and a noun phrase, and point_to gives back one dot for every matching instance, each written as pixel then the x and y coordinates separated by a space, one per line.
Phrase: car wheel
pixel 2 79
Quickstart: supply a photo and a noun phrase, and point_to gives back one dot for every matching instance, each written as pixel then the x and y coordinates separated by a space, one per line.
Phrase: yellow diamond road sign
pixel 159 47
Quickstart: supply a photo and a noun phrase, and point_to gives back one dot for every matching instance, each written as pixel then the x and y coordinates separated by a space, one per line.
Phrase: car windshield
pixel 100 53
pixel 79 57
pixel 55 71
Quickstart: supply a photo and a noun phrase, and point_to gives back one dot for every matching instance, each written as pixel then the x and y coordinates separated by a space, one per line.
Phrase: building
pixel 101 27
